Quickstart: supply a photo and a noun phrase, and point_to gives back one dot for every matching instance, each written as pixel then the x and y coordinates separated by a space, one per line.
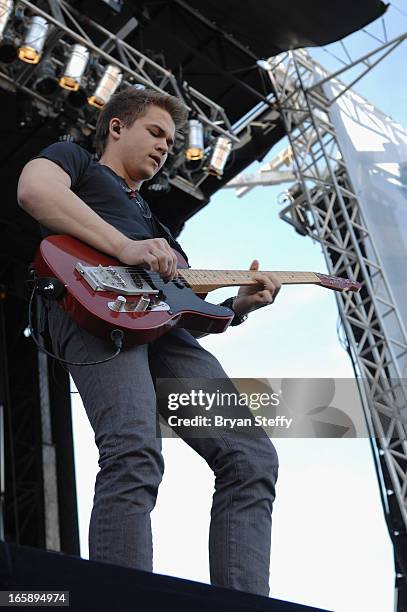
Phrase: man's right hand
pixel 155 253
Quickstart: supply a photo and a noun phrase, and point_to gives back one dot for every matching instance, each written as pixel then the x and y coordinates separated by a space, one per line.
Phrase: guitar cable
pixel 116 335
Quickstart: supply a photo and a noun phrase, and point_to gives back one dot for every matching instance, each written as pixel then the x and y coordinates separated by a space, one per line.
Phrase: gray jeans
pixel 120 402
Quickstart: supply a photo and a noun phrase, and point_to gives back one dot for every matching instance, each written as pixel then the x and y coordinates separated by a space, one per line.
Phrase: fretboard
pixel 204 281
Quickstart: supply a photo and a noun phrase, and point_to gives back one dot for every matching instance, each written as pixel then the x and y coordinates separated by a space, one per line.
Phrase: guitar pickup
pixel 123 280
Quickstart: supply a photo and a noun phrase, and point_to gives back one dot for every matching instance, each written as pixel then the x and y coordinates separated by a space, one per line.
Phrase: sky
pixel 330 546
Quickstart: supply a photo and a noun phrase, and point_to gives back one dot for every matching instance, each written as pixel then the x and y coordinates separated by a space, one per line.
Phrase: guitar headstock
pixel 338 284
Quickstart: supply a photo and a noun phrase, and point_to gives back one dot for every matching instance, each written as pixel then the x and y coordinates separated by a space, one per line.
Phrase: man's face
pixel 143 147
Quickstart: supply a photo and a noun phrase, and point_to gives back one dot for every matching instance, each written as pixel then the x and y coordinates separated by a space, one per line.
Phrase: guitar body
pixel 93 304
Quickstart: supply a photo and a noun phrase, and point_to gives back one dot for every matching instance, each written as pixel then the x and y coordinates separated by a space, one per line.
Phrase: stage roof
pixel 213 45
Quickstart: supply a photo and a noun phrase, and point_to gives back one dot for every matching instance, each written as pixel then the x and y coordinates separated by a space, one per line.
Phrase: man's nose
pixel 162 146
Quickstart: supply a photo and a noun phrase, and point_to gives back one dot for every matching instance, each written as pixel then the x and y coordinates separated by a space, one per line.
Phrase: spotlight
pixel 73 73
pixel 77 99
pixel 8 51
pixel 47 82
pixel 195 148
pixel 219 157
pixel 106 87
pixel 6 8
pixel 34 41
pixel 263 64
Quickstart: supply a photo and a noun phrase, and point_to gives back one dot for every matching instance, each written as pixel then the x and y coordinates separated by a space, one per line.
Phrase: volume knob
pixel 118 304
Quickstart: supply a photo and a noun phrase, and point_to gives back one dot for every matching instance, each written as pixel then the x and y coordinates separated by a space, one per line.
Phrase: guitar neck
pixel 204 281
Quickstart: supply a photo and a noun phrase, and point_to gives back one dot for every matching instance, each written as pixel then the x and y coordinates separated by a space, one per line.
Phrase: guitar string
pixel 202 280
pixel 198 274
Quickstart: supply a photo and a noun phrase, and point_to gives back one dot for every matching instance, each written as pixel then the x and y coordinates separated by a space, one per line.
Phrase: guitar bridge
pixel 117 279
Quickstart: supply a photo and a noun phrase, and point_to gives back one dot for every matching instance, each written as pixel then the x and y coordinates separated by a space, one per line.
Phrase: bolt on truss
pixel 324 205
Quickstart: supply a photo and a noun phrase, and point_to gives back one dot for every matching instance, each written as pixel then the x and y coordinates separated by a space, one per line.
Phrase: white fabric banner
pixel 374 148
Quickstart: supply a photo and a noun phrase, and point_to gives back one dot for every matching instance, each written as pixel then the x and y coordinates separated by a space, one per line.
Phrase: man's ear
pixel 115 126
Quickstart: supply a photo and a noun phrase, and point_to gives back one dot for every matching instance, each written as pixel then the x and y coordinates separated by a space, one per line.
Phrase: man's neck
pixel 119 169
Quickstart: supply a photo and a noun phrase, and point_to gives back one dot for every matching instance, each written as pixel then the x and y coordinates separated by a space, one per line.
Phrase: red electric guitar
pixel 101 294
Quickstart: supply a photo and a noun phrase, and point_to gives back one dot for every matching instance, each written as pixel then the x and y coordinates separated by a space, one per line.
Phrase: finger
pixel 265 297
pixel 151 262
pixel 275 279
pixel 263 281
pixel 171 272
pixel 174 272
pixel 169 266
pixel 172 262
pixel 269 281
pixel 169 259
pixel 164 262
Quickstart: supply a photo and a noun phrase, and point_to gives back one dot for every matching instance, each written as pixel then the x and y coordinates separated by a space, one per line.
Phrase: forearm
pixel 59 209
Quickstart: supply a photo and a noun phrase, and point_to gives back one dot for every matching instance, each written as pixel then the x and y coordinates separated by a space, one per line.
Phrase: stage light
pixel 6 8
pixel 34 40
pixel 77 99
pixel 106 87
pixel 8 51
pixel 75 68
pixel 219 157
pixel 263 64
pixel 47 82
pixel 195 148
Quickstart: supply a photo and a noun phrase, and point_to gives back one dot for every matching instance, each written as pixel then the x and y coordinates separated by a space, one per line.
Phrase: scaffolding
pixel 322 203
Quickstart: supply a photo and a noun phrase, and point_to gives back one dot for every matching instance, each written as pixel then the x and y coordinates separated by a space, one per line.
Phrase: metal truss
pixel 67 27
pixel 136 67
pixel 325 206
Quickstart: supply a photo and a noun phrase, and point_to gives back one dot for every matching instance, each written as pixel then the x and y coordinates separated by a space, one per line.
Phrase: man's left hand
pixel 252 297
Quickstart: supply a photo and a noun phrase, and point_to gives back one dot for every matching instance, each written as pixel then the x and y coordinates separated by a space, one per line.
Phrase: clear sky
pixel 330 546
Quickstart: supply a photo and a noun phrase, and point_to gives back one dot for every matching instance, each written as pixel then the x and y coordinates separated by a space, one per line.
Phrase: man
pixel 69 192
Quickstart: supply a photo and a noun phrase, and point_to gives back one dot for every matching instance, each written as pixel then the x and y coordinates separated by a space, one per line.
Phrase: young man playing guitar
pixel 98 202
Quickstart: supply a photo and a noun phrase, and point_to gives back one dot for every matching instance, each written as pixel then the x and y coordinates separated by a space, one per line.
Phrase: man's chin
pixel 149 174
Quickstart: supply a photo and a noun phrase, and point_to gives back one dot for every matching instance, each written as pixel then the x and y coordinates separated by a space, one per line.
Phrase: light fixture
pixel 76 66
pixel 6 8
pixel 8 51
pixel 263 64
pixel 46 83
pixel 195 148
pixel 219 157
pixel 77 99
pixel 106 87
pixel 34 40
